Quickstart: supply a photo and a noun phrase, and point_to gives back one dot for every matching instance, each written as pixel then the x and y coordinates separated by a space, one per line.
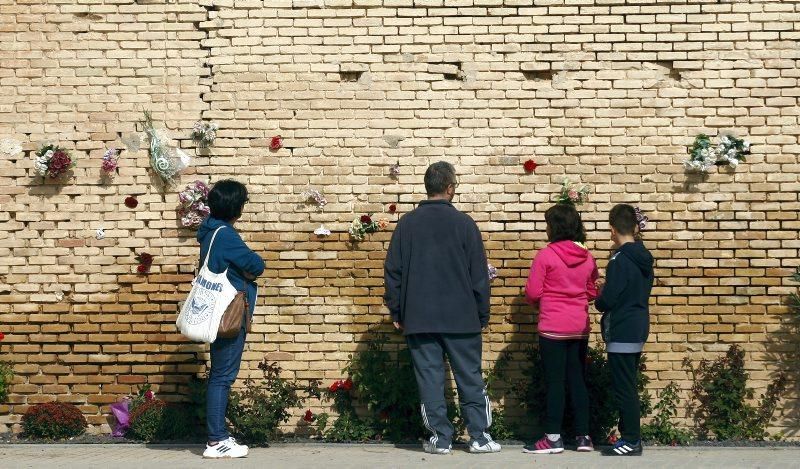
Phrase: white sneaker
pixel 430 447
pixel 226 449
pixel 491 446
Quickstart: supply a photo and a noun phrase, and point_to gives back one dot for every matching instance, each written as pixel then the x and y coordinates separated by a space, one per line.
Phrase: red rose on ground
pixel 308 417
pixel 366 219
pixel 276 143
pixel 612 439
pixel 392 208
pixel 347 384
pixel 530 166
pixel 131 202
pixel 335 386
pixel 142 269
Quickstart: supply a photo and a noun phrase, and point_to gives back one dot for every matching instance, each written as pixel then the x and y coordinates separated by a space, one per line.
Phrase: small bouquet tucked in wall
pixel 572 194
pixel 363 225
pixel 204 133
pixel 703 155
pixel 53 161
pixel 193 204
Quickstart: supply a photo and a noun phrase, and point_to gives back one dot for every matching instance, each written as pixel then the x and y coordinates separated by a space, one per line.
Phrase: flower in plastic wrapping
pixel 746 146
pixel 394 170
pixel 492 272
pixel 322 231
pixel 733 162
pixel 383 223
pixel 276 143
pixel 317 197
pixel 100 233
pixel 10 147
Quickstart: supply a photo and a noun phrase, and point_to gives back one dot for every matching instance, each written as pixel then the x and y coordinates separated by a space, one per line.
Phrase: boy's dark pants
pixel 464 353
pixel 624 373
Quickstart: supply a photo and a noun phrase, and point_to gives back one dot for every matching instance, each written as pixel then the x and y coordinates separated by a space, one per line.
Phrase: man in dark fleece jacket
pixel 437 291
pixel 626 322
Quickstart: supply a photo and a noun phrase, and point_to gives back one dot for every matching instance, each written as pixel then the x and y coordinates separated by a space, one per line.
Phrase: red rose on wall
pixel 131 202
pixel 143 269
pixel 335 386
pixel 308 417
pixel 149 395
pixel 276 143
pixel 347 384
pixel 366 219
pixel 392 208
pixel 2 336
pixel 530 166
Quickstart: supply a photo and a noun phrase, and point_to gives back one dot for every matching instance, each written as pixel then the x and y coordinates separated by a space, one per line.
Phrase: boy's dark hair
pixel 565 224
pixel 438 177
pixel 226 200
pixel 623 218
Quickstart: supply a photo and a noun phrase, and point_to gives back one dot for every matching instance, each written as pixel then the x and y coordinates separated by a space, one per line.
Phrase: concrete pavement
pixel 325 456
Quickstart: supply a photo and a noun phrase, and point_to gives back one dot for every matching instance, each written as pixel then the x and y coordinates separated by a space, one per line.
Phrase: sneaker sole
pixel 543 451
pixel 481 451
pixel 585 449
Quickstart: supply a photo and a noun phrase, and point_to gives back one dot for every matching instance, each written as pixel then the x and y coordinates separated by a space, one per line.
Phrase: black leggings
pixel 565 363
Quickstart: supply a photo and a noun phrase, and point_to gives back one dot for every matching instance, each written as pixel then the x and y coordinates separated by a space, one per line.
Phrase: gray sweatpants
pixel 464 354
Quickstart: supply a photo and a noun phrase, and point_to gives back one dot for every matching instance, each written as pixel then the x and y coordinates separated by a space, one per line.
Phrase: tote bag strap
pixel 208 254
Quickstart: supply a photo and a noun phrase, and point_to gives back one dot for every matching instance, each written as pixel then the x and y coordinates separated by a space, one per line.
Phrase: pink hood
pixel 562 281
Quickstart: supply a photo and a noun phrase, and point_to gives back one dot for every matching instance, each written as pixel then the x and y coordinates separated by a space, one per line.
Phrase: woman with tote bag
pixel 226 201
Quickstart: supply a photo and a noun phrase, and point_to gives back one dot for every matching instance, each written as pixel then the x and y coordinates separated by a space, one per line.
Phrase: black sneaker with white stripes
pixel 623 448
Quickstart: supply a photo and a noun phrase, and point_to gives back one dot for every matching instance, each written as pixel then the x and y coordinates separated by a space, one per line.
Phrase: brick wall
pixel 609 93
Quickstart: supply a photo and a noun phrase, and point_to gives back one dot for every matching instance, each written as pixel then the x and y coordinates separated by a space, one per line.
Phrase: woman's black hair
pixel 226 200
pixel 564 223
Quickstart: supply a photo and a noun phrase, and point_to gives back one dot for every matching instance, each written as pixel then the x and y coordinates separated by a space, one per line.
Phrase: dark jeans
pixel 565 363
pixel 624 373
pixel 226 356
pixel 464 353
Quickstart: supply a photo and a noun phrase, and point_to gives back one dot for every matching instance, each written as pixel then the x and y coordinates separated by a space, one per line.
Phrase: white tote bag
pixel 203 309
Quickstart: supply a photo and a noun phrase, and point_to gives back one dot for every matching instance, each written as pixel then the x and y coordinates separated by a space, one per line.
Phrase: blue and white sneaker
pixel 431 447
pixel 623 448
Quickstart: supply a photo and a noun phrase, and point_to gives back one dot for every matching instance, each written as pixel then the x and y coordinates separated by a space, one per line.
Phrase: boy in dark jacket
pixel 626 322
pixel 437 292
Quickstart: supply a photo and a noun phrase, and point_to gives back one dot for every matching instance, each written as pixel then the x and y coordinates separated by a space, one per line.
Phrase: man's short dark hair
pixel 226 200
pixel 438 177
pixel 565 224
pixel 623 218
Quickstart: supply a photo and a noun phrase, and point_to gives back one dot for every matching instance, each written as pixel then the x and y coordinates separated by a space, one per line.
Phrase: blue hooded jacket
pixel 229 251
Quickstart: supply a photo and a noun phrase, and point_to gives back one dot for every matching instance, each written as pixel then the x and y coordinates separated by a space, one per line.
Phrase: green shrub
pixel 6 377
pixel 603 415
pixel 53 421
pixel 256 412
pixel 348 425
pixel 385 383
pixel 720 388
pixel 156 420
pixel 662 429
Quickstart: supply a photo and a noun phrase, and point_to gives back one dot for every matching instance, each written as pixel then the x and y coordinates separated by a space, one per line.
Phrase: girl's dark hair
pixel 565 224
pixel 226 200
pixel 623 218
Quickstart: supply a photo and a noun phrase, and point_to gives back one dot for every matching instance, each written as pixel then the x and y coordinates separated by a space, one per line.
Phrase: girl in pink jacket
pixel 562 282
